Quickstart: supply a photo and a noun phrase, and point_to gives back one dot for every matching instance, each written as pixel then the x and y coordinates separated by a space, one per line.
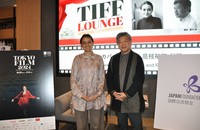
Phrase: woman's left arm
pixel 101 78
pixel 30 95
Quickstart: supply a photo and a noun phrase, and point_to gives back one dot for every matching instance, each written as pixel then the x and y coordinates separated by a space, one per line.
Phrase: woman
pixel 87 84
pixel 24 101
pixel 148 22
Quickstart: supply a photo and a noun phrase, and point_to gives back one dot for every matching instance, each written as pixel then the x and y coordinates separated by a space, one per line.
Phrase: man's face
pixel 180 11
pixel 124 44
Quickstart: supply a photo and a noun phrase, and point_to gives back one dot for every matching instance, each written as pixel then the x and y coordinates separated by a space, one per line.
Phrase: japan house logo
pixel 192 84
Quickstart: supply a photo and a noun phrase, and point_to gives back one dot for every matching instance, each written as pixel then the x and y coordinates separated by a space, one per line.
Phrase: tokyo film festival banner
pixel 178 93
pixel 26 90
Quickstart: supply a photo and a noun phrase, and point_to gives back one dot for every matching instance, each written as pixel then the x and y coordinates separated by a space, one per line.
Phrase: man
pixel 125 79
pixel 182 9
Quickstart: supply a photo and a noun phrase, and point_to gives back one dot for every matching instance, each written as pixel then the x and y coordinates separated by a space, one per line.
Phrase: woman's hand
pixel 86 98
pixel 89 98
pixel 92 98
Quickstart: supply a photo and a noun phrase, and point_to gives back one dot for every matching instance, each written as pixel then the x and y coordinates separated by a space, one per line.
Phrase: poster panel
pixel 26 90
pixel 178 93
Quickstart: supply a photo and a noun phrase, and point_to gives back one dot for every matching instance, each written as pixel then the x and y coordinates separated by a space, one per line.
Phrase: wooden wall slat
pixel 6 12
pixel 28 28
pixel 6 33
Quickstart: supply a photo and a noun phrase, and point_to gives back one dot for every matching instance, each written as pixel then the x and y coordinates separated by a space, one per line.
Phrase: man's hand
pixel 119 96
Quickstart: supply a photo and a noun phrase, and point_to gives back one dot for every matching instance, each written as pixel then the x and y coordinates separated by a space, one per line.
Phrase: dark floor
pixel 111 124
pixel 107 127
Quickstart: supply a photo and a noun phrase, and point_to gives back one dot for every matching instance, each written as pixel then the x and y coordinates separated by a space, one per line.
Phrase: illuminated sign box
pixel 106 18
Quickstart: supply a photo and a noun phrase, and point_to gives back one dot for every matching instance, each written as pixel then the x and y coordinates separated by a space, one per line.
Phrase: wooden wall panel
pixel 28 25
pixel 6 12
pixel 6 33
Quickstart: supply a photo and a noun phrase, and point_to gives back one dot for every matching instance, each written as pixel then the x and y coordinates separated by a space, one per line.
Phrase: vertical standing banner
pixel 26 90
pixel 178 93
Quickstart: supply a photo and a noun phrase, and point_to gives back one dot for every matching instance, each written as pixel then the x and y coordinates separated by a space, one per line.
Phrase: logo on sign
pixel 192 84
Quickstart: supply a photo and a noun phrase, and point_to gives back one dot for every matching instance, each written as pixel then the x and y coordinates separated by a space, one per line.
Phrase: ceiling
pixel 6 3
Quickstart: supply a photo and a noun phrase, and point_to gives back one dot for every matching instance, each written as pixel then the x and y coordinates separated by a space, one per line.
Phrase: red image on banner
pixel 24 99
pixel 62 6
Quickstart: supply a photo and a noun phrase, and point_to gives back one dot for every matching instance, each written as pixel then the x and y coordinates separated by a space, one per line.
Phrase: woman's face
pixel 24 88
pixel 87 44
pixel 146 10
